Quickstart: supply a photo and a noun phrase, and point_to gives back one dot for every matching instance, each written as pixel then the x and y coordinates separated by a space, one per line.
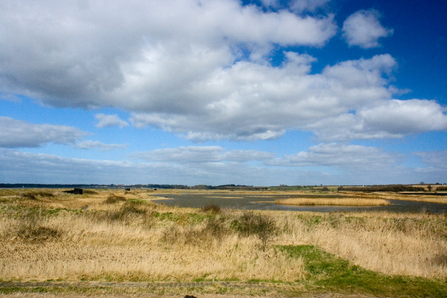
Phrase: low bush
pixel 127 213
pixel 216 228
pixel 133 207
pixel 34 195
pixel 260 225
pixel 210 230
pixel 31 228
pixel 113 199
pixel 212 208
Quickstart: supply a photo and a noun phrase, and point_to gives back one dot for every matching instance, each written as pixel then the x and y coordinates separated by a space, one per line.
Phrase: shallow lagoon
pixel 266 202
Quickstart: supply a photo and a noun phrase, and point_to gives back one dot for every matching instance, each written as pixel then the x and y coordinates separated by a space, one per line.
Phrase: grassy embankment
pixel 49 235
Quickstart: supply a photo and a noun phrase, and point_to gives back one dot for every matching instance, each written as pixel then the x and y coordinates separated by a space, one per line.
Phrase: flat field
pixel 113 242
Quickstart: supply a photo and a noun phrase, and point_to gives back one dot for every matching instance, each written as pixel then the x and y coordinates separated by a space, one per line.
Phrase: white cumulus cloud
pixel 363 29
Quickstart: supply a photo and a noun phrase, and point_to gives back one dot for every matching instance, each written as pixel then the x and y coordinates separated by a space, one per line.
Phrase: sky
pixel 253 92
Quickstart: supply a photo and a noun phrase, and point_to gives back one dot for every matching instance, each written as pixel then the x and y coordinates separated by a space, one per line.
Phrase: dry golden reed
pixel 333 202
pixel 136 239
pixel 132 240
pixel 391 243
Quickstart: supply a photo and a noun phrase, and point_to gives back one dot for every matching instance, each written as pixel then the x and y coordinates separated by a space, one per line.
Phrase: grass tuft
pixel 34 195
pixel 31 228
pixel 212 208
pixel 113 199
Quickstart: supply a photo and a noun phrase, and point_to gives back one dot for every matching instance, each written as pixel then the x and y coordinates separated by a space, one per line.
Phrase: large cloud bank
pixel 202 68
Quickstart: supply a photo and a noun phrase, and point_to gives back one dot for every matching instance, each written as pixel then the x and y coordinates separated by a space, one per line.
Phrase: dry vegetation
pixel 113 235
pixel 127 237
pixel 332 202
pixel 419 198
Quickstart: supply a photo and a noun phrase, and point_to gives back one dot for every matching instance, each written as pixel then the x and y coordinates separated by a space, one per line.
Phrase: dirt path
pixel 46 295
pixel 158 290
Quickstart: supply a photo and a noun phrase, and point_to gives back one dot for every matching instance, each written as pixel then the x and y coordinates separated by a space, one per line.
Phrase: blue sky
pixel 215 92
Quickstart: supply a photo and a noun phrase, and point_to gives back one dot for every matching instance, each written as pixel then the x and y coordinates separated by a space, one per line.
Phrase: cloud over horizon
pixel 324 163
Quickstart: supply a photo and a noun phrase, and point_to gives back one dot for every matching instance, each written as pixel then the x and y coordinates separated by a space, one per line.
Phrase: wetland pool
pixel 266 202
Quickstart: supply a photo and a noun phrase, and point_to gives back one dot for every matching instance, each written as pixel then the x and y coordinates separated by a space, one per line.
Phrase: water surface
pixel 266 202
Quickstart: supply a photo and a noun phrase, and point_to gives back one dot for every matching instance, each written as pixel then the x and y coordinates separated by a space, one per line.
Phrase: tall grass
pixel 139 240
pixel 136 241
pixel 403 244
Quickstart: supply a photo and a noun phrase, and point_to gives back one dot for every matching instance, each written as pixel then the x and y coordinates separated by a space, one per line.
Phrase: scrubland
pixel 112 235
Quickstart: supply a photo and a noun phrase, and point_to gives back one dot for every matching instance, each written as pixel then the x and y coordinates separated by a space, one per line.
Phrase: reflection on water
pixel 266 202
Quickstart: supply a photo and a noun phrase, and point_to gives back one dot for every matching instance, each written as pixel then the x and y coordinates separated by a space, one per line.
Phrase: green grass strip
pixel 327 273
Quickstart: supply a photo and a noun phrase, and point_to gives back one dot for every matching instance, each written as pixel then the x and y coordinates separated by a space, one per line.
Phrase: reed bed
pixel 333 202
pixel 396 244
pixel 133 239
pixel 417 198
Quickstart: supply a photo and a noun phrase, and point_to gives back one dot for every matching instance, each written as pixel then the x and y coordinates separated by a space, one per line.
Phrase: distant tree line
pixel 151 186
pixel 390 188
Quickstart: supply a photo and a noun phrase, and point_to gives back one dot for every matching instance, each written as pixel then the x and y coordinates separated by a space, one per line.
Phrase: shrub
pixel 132 207
pixel 215 227
pixel 32 229
pixel 34 195
pixel 212 229
pixel 126 213
pixel 212 208
pixel 249 223
pixel 112 199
